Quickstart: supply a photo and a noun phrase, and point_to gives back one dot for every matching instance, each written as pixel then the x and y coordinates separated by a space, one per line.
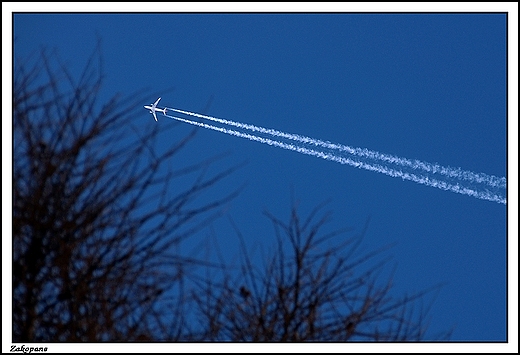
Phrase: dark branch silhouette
pixel 97 216
pixel 311 288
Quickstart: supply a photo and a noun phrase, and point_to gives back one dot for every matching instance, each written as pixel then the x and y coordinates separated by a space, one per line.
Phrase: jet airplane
pixel 154 109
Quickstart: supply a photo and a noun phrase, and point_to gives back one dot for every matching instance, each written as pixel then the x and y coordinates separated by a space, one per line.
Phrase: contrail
pixel 418 178
pixel 456 173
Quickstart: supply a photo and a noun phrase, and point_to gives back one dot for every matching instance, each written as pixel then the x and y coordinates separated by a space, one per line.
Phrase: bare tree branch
pixel 96 216
pixel 308 290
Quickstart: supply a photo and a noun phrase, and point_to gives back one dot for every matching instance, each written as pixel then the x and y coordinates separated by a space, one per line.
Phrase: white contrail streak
pixel 425 180
pixel 456 173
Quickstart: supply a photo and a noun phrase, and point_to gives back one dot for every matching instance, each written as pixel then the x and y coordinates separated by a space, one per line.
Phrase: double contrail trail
pixel 478 185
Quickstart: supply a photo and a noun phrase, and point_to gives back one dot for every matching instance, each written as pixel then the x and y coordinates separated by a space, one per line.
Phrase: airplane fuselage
pixel 153 109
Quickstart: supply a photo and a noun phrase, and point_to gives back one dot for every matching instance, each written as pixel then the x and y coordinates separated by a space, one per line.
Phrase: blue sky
pixel 430 87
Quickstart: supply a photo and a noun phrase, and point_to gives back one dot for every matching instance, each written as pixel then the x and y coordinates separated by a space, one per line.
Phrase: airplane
pixel 153 109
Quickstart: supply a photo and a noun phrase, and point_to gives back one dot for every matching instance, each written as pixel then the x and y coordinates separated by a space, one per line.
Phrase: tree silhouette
pixel 96 217
pixel 311 288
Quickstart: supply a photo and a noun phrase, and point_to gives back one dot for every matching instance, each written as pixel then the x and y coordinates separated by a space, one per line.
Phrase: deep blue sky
pixel 421 86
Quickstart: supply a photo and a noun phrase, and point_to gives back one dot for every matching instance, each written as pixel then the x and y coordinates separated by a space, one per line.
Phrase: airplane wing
pixel 154 116
pixel 156 102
